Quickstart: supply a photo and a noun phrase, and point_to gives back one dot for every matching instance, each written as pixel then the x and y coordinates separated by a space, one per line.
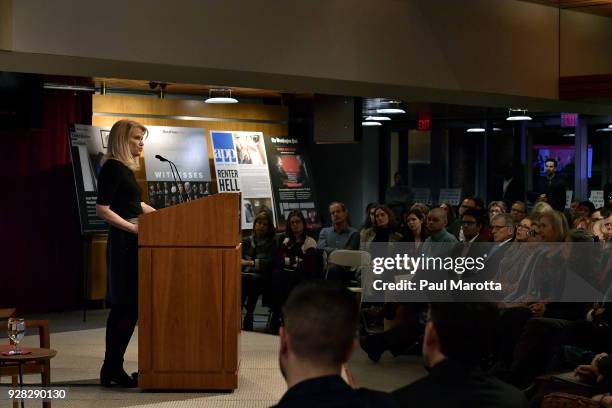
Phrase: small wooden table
pixel 36 354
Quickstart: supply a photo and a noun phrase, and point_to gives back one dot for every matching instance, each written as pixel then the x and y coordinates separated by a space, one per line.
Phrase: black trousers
pixel 252 288
pixel 119 329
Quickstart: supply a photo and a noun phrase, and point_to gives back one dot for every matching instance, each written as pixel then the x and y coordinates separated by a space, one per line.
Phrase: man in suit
pixel 552 187
pixel 452 358
pixel 316 339
pixel 502 228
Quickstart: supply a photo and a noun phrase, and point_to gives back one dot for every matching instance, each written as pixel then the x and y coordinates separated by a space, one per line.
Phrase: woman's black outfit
pixel 256 279
pixel 117 188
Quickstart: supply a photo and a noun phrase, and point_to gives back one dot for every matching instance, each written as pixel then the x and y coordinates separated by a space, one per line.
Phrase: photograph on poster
pixel 253 206
pixel 250 148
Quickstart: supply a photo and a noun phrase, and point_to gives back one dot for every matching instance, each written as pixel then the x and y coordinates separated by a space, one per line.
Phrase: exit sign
pixel 569 119
pixel 424 121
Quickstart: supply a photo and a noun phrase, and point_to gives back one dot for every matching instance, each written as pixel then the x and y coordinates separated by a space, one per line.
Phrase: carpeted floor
pixel 80 347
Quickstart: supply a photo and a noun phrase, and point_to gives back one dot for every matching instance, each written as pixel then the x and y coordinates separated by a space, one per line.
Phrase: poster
pixel 87 148
pixel 241 165
pixel 187 148
pixel 292 180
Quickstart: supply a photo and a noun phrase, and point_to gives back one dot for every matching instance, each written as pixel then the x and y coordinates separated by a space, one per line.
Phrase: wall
pixel 347 173
pixel 493 46
pixel 585 44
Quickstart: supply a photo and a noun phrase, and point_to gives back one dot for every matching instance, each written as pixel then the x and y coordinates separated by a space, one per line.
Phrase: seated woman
pixel 258 253
pixel 415 230
pixel 297 259
pixel 383 230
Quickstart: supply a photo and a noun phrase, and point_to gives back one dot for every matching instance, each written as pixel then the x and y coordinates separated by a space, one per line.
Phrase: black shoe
pixel 247 323
pixel 373 346
pixel 117 376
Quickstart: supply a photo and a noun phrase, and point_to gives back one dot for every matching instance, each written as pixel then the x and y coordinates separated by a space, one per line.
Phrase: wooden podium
pixel 189 295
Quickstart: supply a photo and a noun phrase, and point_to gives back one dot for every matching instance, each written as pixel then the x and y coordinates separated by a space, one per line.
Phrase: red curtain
pixel 41 260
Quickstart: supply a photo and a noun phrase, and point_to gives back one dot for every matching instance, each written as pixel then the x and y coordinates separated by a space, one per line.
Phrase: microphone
pixel 172 169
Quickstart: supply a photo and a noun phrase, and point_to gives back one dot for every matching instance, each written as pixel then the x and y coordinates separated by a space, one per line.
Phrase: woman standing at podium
pixel 119 203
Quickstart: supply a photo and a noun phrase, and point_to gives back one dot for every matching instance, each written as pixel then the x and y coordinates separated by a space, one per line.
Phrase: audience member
pixel 518 211
pixel 369 220
pixel 316 339
pixel 436 226
pixel 452 358
pixel 496 208
pixel 258 253
pixel 551 188
pixel 297 259
pixel 384 229
pixel 415 230
pixel 455 227
pixel 339 236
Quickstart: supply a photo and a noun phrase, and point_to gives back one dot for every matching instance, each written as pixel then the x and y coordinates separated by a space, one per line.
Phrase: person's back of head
pixel 459 331
pixel 320 322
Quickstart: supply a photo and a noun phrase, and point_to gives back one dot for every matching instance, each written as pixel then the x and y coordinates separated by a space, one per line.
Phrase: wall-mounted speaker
pixel 337 119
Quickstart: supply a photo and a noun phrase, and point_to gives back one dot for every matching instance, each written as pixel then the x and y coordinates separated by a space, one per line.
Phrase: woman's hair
pixel 558 222
pixel 420 206
pixel 265 215
pixel 118 142
pixel 539 208
pixel 367 223
pixel 392 222
pixel 499 204
pixel 289 232
pixel 450 212
pixel 417 213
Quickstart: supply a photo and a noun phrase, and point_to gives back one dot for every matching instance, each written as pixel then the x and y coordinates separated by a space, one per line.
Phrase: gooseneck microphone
pixel 172 169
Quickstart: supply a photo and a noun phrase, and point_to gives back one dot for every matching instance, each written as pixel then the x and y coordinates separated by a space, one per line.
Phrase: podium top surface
pixel 212 221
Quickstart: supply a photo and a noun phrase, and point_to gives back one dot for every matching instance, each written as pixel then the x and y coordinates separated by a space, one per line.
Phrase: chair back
pixel 350 258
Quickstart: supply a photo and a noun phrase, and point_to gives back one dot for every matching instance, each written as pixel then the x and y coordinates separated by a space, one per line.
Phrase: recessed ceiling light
pixel 227 98
pixel 569 135
pixel 475 130
pixel 608 129
pixel 371 123
pixel 497 130
pixel 390 110
pixel 610 126
pixel 377 118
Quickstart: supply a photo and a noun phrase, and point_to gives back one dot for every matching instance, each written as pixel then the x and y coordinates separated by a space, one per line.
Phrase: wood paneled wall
pixel 107 109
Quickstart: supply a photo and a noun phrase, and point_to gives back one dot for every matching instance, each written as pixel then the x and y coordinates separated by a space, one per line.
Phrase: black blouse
pixel 118 188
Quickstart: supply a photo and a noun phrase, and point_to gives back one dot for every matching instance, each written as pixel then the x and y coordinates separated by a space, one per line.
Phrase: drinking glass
pixel 16 331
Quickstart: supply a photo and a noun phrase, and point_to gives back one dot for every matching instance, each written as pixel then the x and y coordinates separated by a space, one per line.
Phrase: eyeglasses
pixel 522 227
pixel 495 227
pixel 468 222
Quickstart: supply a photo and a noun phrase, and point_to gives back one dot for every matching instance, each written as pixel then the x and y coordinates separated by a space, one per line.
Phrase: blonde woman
pixel 119 203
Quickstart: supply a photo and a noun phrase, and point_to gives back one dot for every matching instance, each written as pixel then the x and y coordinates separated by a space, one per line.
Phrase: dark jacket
pixel 453 384
pixel 332 392
pixel 554 189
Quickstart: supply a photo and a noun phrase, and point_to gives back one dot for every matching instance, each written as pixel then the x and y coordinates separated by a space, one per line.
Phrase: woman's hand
pixel 247 262
pixel 134 229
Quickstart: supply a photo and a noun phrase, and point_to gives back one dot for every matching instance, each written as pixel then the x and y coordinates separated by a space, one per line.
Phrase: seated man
pixel 339 236
pixel 317 338
pixel 456 337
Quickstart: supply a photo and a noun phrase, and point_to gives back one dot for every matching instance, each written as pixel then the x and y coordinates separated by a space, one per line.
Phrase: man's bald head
pixel 436 220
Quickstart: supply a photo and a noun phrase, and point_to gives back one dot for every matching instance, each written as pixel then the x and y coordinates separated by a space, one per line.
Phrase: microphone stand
pixel 182 184
pixel 172 169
